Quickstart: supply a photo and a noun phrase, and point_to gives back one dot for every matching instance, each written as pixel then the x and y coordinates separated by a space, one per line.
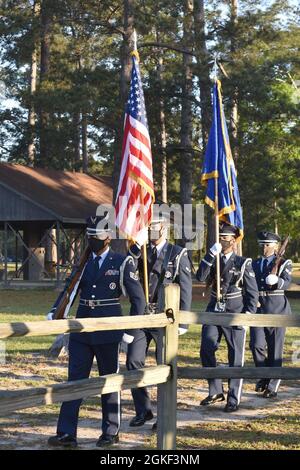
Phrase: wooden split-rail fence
pixel 165 375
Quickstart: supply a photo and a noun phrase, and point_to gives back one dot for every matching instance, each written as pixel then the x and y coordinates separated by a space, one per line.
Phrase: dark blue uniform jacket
pixel 116 276
pixel 238 284
pixel 272 299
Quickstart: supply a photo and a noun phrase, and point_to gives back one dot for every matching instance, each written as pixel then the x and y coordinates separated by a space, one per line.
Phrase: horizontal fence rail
pixel 160 320
pixel 14 400
pixel 238 319
pixel 84 325
pixel 285 373
pixel 165 376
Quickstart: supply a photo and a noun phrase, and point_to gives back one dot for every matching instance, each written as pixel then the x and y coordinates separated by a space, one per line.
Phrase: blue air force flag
pixel 218 168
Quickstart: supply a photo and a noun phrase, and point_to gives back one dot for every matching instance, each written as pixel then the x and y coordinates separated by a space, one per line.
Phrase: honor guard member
pixel 106 276
pixel 239 294
pixel 266 343
pixel 167 264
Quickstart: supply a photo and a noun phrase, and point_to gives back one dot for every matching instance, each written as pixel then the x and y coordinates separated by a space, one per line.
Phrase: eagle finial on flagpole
pixel 134 51
pixel 215 69
pixel 134 39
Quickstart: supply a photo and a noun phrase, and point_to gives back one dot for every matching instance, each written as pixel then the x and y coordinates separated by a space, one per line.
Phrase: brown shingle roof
pixel 67 194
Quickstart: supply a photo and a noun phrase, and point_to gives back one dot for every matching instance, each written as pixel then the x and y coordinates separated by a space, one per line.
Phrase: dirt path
pixel 30 429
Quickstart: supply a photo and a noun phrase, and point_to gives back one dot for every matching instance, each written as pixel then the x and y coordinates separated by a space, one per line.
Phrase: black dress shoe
pixel 107 440
pixel 62 440
pixel 139 420
pixel 154 427
pixel 211 399
pixel 269 394
pixel 261 386
pixel 231 408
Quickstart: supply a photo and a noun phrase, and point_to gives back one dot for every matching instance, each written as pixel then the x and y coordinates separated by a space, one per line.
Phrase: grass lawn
pixel 27 365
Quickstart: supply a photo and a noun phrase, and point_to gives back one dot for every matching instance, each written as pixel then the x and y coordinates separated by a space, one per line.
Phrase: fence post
pixel 167 392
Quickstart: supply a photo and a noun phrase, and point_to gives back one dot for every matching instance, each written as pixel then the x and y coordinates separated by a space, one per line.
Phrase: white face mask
pixel 226 244
pixel 154 235
pixel 156 232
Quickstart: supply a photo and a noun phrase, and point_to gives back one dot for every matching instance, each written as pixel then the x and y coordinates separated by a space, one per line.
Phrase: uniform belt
pixel 99 303
pixel 231 295
pixel 264 293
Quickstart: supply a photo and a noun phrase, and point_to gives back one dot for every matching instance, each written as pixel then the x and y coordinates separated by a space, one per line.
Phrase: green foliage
pixel 260 53
pixel 260 57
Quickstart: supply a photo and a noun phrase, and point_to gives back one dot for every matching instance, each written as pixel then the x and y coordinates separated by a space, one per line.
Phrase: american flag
pixel 135 194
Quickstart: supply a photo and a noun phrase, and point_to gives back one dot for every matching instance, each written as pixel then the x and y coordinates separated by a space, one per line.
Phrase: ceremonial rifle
pixel 279 256
pixel 71 283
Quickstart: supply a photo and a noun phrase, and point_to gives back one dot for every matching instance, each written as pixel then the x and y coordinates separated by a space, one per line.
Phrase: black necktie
pixel 223 262
pixel 96 266
pixel 264 265
pixel 153 258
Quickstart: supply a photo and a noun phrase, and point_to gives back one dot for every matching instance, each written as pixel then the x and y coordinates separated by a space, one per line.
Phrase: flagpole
pixel 144 247
pixel 218 273
pixel 218 270
pixel 144 255
pixel 218 149
pixel 134 39
pixel 146 285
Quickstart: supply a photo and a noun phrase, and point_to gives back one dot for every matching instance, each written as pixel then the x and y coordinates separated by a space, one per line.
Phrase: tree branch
pixel 171 47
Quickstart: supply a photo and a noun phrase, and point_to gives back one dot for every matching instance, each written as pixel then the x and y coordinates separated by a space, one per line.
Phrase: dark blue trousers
pixel 136 357
pixel 266 345
pixel 81 357
pixel 235 338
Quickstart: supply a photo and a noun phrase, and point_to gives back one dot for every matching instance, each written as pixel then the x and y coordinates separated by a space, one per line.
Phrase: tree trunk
pixel 85 157
pixel 124 89
pixel 186 157
pixel 79 129
pixel 76 139
pixel 127 46
pixel 234 99
pixel 162 134
pixel 33 82
pixel 203 68
pixel 46 26
pixel 186 149
pixel 234 117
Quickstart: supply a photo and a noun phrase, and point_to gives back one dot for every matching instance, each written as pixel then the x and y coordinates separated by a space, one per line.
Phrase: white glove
pixel 182 331
pixel 50 316
pixel 272 279
pixel 127 339
pixel 142 236
pixel 216 249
